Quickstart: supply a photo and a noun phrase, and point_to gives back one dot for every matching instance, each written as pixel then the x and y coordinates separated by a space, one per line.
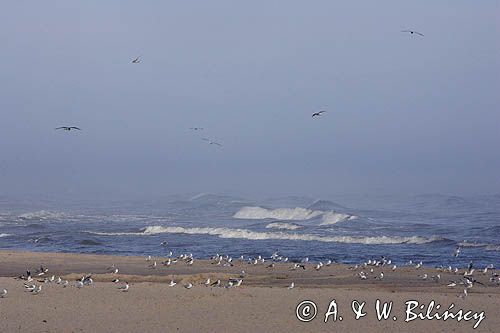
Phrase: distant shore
pixel 262 303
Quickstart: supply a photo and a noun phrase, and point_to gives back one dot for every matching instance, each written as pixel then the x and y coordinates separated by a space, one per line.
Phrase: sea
pixel 352 229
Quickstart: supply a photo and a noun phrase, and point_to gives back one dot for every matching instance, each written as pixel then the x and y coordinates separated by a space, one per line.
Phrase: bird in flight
pixel 413 32
pixel 136 60
pixel 212 142
pixel 318 114
pixel 68 128
pixel 196 128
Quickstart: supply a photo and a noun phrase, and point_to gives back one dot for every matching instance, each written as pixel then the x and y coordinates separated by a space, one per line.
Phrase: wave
pixel 332 218
pixel 486 246
pixel 42 215
pixel 290 214
pixel 5 235
pixel 253 235
pixel 283 225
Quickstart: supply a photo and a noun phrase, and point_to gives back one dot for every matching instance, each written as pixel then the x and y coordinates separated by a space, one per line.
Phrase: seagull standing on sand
pixel 172 283
pixel 291 286
pixel 207 283
pixel 37 290
pixel 413 32
pixel 125 287
pixel 3 293
pixel 189 285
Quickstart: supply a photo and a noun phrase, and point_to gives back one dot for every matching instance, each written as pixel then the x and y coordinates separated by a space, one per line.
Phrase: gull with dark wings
pixel 212 142
pixel 413 32
pixel 68 128
pixel 318 114
pixel 136 60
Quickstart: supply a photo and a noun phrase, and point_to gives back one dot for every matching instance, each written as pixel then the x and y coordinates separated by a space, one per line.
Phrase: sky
pixel 405 114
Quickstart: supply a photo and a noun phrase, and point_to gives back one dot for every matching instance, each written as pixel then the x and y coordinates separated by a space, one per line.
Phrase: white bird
pixel 207 283
pixel 394 267
pixel 115 271
pixel 79 284
pixel 3 293
pixel 291 286
pixel 153 265
pixel 423 277
pixel 328 262
pixel 451 284
pixel 29 287
pixel 238 282
pixel 381 276
pixel 463 295
pixel 172 283
pixel 148 258
pixel 116 280
pixel 36 290
pixel 125 287
pixel 189 285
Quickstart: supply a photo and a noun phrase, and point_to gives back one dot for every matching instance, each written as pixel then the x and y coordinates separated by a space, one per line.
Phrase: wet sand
pixel 262 303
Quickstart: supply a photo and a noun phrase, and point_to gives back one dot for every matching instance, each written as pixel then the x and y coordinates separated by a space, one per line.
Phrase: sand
pixel 262 304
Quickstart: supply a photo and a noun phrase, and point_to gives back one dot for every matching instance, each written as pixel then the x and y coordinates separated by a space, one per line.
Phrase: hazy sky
pixel 406 114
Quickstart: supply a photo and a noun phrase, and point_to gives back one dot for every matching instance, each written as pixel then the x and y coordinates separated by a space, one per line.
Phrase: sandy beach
pixel 262 303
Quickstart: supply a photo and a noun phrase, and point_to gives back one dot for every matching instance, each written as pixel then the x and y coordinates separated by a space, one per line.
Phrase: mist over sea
pixel 424 228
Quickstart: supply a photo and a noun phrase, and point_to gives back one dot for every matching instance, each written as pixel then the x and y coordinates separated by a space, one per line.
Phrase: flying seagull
pixel 318 114
pixel 68 128
pixel 136 60
pixel 212 142
pixel 413 32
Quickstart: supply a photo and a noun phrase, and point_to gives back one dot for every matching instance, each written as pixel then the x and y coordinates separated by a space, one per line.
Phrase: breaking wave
pixel 42 215
pixel 283 225
pixel 253 235
pixel 5 235
pixel 291 214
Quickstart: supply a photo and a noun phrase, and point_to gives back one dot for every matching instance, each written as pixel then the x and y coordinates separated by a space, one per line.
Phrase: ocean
pixel 425 228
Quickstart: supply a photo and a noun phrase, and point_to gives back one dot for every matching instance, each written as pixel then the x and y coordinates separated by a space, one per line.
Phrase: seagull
pixel 115 271
pixel 423 277
pixel 79 284
pixel 413 32
pixel 463 295
pixel 207 283
pixel 291 286
pixel 36 290
pixel 196 128
pixel 172 283
pixel 189 285
pixel 3 293
pixel 457 251
pixel 153 265
pixel 125 287
pixel 68 128
pixel 148 258
pixel 451 284
pixel 216 284
pixel 136 60
pixel 212 142
pixel 318 114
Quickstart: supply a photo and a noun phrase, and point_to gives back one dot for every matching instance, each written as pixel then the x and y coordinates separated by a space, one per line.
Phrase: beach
pixel 262 302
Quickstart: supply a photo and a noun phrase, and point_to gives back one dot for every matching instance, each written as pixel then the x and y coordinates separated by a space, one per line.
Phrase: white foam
pixel 253 235
pixel 5 235
pixel 283 225
pixel 42 215
pixel 292 214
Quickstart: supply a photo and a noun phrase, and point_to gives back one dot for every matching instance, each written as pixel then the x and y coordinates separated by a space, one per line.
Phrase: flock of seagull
pixel 364 271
